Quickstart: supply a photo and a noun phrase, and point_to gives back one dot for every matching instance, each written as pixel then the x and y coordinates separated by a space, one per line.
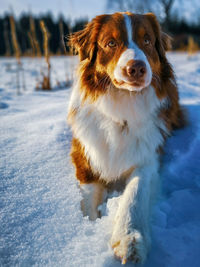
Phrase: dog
pixel 123 106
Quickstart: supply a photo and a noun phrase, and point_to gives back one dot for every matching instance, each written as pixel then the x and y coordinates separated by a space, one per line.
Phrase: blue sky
pixel 69 8
pixel 87 8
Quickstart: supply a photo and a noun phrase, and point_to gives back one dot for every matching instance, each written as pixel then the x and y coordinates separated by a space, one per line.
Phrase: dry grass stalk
pixel 61 30
pixel 46 78
pixel 16 51
pixel 32 43
pixel 192 47
pixel 72 52
pixel 33 36
pixel 14 40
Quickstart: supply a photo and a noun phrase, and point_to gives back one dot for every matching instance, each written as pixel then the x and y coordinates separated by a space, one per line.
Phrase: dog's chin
pixel 130 86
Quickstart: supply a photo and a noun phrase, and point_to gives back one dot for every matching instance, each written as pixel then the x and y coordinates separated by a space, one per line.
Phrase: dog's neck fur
pixel 119 130
pixel 134 108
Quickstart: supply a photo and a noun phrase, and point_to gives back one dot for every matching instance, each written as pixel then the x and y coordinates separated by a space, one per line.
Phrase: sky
pixel 75 9
pixel 69 8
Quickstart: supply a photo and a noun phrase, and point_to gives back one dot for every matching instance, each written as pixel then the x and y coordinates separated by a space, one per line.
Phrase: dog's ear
pixel 84 42
pixel 163 41
pixel 166 41
pixel 79 41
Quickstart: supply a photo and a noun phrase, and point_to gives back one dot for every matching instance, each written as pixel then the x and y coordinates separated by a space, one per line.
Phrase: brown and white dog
pixel 123 106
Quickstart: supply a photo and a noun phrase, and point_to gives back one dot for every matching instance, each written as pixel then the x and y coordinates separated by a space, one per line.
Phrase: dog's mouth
pixel 130 85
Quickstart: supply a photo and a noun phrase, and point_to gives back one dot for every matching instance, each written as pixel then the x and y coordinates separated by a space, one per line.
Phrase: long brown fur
pixel 84 172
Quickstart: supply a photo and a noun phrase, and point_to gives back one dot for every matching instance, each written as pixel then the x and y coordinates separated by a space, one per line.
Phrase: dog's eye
pixel 112 43
pixel 146 41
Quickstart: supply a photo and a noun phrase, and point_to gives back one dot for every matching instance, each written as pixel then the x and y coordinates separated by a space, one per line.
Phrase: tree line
pixel 29 33
pixel 30 38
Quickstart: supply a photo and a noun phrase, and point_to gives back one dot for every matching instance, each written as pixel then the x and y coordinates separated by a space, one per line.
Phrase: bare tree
pixel 163 7
pixel 167 8
pixel 130 5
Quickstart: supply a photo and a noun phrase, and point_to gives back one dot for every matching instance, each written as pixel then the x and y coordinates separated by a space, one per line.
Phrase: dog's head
pixel 124 49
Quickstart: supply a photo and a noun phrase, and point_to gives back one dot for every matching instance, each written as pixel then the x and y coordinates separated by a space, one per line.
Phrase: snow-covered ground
pixel 40 219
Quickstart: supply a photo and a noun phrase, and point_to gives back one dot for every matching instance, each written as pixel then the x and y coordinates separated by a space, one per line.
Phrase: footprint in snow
pixel 3 105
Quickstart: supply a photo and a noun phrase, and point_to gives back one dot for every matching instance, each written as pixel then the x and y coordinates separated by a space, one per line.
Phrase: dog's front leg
pixel 93 195
pixel 131 234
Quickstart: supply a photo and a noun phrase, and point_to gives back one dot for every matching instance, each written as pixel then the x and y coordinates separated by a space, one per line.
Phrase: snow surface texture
pixel 40 219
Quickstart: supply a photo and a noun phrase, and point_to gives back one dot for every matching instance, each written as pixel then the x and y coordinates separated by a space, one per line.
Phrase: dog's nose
pixel 136 68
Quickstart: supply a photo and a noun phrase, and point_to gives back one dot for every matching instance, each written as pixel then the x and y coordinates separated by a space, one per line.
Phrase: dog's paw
pixel 130 247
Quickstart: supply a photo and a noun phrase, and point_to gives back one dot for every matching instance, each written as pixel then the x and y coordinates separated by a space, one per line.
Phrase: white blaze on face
pixel 133 52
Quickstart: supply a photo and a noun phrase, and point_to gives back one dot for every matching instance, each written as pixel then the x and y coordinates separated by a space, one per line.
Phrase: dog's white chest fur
pixel 118 131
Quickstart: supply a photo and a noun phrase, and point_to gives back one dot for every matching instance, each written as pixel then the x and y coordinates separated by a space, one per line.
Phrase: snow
pixel 40 219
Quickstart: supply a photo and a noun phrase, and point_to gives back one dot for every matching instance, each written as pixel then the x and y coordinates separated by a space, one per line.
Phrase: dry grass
pixel 192 47
pixel 14 40
pixel 17 52
pixel 33 39
pixel 45 83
